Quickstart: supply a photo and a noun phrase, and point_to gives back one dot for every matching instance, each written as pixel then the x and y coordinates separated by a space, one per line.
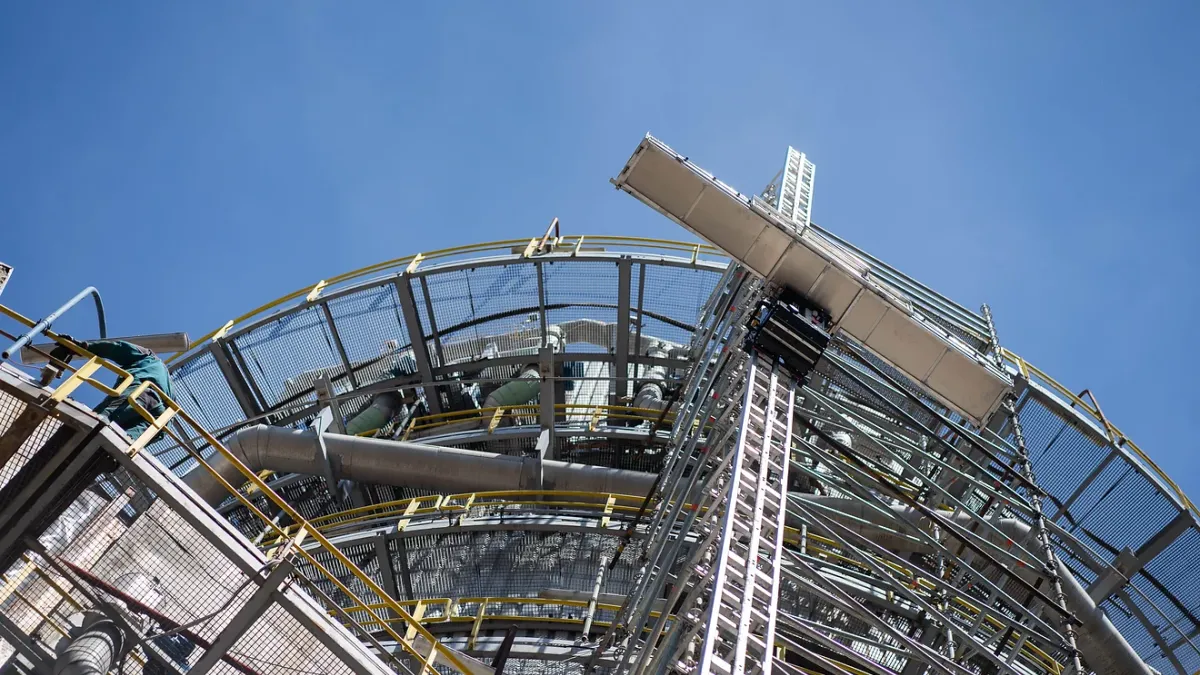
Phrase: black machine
pixel 792 329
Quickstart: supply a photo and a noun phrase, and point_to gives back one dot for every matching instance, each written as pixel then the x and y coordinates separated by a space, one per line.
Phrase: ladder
pixel 727 616
pixel 722 515
pixel 708 400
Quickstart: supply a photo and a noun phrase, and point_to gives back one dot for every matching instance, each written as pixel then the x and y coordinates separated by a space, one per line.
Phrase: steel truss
pixel 894 553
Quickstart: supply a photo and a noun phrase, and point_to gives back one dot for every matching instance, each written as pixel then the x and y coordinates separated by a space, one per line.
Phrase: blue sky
pixel 196 160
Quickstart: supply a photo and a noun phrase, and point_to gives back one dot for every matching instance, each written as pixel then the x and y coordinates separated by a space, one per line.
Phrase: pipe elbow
pixel 247 445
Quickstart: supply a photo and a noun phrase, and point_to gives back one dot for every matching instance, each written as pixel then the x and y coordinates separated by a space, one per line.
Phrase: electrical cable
pixel 232 596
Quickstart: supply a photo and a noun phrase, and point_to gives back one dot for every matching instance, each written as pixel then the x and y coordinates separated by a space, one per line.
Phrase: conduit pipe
pixel 407 464
pixel 1106 651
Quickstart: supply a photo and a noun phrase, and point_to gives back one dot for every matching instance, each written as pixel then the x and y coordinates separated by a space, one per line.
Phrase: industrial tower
pixel 579 454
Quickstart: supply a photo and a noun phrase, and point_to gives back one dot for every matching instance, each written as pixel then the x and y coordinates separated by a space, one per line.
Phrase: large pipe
pixel 521 390
pixel 408 464
pixel 159 343
pixel 374 416
pixel 1106 651
pixel 94 651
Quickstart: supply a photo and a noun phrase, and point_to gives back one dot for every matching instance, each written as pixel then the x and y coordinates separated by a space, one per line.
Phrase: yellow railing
pixel 572 243
pixel 475 611
pixel 82 374
pixel 517 415
pixel 158 425
pixel 602 505
pixel 298 534
pixel 1114 435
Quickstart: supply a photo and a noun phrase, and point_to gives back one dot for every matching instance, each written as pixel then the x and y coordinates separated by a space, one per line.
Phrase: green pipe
pixel 381 410
pixel 520 391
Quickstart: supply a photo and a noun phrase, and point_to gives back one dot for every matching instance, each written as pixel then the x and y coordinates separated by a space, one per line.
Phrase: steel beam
pixel 620 372
pixel 254 608
pixel 262 402
pixel 641 318
pixel 546 369
pixel 37 498
pixel 1066 505
pixel 341 348
pixel 43 662
pixel 233 378
pixel 412 321
pixel 405 572
pixel 435 335
pixel 387 575
pixel 541 291
pixel 1153 631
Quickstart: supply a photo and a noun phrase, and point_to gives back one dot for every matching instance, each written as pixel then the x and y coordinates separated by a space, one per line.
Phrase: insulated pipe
pixel 382 408
pixel 521 390
pixel 650 387
pixel 94 651
pixel 1106 651
pixel 408 464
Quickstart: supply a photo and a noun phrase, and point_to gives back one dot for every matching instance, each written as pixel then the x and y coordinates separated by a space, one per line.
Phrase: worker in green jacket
pixel 139 362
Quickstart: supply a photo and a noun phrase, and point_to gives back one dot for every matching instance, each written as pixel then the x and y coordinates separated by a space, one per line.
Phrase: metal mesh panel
pixel 260 648
pixel 632 457
pixel 581 290
pixel 201 389
pixel 286 347
pixel 462 298
pixel 513 564
pixel 367 321
pixel 677 293
pixel 14 413
pixel 1062 456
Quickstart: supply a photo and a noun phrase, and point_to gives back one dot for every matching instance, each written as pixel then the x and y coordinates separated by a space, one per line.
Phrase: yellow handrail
pixel 1115 436
pixel 448 607
pixel 328 547
pixel 81 374
pixel 564 243
pixel 531 410
pixel 603 504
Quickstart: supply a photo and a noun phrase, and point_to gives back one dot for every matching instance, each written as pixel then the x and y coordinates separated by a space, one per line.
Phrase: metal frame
pixel 908 439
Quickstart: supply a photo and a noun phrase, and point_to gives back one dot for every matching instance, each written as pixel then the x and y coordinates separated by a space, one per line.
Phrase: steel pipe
pixel 1106 651
pixel 404 464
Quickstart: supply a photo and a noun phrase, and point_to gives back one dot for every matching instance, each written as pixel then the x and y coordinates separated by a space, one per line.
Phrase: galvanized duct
pixel 408 464
pixel 1104 648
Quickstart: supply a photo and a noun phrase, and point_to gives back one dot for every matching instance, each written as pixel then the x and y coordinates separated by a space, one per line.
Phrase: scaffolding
pixel 916 499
